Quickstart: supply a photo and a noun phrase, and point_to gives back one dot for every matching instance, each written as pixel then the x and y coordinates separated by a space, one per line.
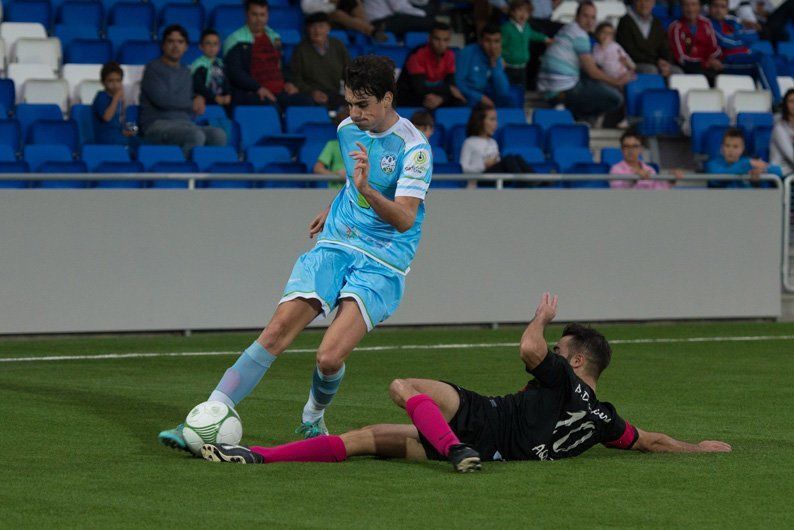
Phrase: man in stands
pixel 252 55
pixel 557 415
pixel 318 63
pixel 480 73
pixel 428 78
pixel 694 42
pixel 643 37
pixel 737 57
pixel 570 75
pixel 167 99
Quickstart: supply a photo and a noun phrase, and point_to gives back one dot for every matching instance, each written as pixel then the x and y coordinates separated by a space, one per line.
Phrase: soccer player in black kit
pixel 557 415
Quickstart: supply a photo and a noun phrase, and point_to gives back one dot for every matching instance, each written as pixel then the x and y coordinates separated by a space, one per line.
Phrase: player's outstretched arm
pixel 400 213
pixel 657 442
pixel 533 347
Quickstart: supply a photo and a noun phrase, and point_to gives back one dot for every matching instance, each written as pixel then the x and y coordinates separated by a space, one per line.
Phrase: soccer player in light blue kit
pixel 367 240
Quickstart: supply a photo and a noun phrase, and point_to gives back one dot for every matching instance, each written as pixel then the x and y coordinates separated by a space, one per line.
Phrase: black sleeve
pixel 200 85
pixel 552 372
pixel 619 433
pixel 442 89
pixel 237 73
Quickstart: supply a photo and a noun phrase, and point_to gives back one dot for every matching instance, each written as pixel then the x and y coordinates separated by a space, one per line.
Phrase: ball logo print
pixel 388 163
pixel 209 423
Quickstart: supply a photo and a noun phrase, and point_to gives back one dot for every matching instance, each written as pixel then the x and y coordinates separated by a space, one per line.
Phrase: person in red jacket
pixel 694 43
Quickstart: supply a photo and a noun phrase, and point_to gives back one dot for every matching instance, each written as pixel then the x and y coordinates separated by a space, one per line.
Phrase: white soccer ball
pixel 211 422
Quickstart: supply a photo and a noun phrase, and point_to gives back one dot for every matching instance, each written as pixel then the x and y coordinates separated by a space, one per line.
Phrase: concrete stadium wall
pixel 123 260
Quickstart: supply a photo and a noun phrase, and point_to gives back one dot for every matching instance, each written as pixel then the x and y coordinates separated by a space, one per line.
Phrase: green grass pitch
pixel 78 445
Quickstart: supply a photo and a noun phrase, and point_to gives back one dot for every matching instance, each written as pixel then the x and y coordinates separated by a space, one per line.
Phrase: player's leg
pixel 345 332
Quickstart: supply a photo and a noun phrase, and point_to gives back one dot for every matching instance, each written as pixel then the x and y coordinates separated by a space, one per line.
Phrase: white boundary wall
pixel 122 260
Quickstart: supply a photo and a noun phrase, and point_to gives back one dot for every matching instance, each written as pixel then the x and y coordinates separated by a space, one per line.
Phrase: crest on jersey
pixel 388 163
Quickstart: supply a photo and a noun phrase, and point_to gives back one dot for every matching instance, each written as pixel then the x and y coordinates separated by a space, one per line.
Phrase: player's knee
pixel 398 390
pixel 329 361
pixel 274 337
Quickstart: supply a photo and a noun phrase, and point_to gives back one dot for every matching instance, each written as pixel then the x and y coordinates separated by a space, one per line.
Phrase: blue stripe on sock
pixel 324 387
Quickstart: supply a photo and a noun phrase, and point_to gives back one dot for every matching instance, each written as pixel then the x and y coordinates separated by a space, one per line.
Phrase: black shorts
pixel 477 422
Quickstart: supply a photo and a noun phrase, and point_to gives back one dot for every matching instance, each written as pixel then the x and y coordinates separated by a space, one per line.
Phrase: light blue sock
pixel 323 390
pixel 243 376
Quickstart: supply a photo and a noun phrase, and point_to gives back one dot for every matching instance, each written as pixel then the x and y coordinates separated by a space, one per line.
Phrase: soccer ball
pixel 211 422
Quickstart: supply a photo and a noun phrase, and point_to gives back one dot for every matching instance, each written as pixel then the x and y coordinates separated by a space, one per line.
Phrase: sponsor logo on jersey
pixel 418 165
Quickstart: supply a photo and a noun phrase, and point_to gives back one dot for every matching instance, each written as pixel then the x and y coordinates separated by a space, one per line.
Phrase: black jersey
pixel 558 416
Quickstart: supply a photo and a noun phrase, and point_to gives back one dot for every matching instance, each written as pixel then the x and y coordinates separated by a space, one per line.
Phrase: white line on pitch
pixel 465 346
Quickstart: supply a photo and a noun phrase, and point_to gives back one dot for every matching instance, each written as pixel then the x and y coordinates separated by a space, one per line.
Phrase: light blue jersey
pixel 401 164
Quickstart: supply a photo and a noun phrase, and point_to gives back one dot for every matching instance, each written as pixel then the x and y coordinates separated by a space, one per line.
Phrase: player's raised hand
pixel 547 309
pixel 361 169
pixel 715 446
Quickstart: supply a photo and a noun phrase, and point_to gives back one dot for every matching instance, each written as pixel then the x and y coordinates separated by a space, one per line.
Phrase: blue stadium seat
pixel 190 16
pixel 762 137
pixel 566 157
pixel 138 52
pixel 132 14
pixel 398 55
pixel 57 166
pixel 59 132
pixel 14 166
pixel 318 131
pixel 7 153
pixel 286 17
pixel 611 155
pixel 455 138
pixel 508 116
pixel 294 168
pixel 118 35
pixel 27 113
pixel 95 155
pixel 294 117
pixel 447 168
pixel 659 110
pixel 36 155
pixel 763 47
pixel 390 40
pixel 260 124
pixel 545 118
pixel 514 134
pixel 260 156
pixel 171 167
pixel 642 83
pixel 88 51
pixel 341 35
pixel 532 155
pixel 568 135
pixel 70 32
pixel 517 96
pixel 130 166
pixel 439 156
pixel 228 18
pixel 290 36
pixel 29 11
pixel 149 155
pixel 206 156
pixel 310 151
pixel 228 167
pixel 414 39
pixel 211 113
pixel 81 13
pixel 83 116
pixel 786 49
pixel 451 116
pixel 192 53
pixel 8 96
pixel 748 122
pixel 10 134
pixel 701 123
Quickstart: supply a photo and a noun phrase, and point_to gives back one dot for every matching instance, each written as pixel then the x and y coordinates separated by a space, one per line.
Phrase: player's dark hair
pixel 440 26
pixel 261 3
pixel 584 4
pixel 475 126
pixel 733 132
pixel 590 343
pixel 108 68
pixel 371 75
pixel 422 118
pixel 207 33
pixel 784 110
pixel 490 29
pixel 173 28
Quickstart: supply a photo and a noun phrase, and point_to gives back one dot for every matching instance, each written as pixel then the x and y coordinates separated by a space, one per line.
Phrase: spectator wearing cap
pixel 318 63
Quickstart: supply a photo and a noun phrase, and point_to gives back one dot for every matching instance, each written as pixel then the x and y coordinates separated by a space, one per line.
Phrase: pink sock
pixel 428 419
pixel 319 449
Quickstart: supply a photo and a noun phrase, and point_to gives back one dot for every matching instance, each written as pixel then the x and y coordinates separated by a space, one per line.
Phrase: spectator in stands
pixel 168 102
pixel 480 73
pixel 253 62
pixel 516 38
pixel 694 42
pixel 428 78
pixel 631 144
pixel 109 110
pixel 318 63
pixel 737 57
pixel 480 152
pixel 209 80
pixel 330 160
pixel 732 161
pixel 609 55
pixel 643 37
pixel 781 149
pixel 424 121
pixel 570 75
pixel 349 14
pixel 397 16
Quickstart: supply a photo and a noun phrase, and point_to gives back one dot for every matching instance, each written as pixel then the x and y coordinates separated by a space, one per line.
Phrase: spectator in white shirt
pixel 397 16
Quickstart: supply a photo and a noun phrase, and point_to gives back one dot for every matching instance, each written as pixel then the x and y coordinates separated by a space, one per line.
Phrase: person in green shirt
pixel 516 36
pixel 330 160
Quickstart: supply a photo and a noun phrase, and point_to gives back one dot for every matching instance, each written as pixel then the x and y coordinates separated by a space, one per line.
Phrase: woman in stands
pixel 781 149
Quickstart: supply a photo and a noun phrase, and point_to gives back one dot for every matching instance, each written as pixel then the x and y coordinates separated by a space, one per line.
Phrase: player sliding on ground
pixel 366 241
pixel 557 415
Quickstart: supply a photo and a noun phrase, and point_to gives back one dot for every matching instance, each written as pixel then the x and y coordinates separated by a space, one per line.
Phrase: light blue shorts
pixel 328 273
